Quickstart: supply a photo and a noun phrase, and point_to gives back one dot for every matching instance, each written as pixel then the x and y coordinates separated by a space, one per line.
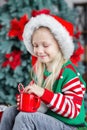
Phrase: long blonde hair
pixel 38 72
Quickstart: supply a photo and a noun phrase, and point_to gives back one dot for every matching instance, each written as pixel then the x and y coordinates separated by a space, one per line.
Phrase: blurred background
pixel 15 61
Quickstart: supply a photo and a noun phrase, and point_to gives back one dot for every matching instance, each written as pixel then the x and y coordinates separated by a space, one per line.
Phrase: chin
pixel 44 61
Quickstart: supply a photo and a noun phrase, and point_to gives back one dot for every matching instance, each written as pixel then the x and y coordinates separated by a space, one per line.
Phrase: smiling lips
pixel 42 56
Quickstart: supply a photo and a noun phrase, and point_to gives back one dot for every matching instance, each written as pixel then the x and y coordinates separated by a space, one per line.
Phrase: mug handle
pixel 20 87
pixel 37 103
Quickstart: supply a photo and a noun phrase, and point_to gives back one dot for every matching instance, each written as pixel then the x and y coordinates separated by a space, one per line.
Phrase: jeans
pixel 12 119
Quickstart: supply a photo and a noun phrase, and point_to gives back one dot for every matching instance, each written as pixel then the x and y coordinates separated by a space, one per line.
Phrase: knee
pixel 20 116
pixel 9 112
pixel 23 116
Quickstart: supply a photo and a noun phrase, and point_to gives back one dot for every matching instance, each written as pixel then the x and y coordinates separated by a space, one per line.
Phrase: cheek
pixel 35 50
pixel 52 50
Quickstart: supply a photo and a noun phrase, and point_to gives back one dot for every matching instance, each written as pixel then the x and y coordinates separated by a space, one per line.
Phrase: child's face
pixel 45 46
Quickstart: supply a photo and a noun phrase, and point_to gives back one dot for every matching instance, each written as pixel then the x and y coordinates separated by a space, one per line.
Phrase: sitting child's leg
pixel 8 118
pixel 38 121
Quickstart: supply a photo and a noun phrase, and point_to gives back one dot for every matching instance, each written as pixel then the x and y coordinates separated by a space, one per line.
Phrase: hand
pixel 18 101
pixel 34 89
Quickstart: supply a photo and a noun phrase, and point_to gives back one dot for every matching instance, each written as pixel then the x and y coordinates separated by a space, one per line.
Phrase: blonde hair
pixel 38 69
pixel 38 72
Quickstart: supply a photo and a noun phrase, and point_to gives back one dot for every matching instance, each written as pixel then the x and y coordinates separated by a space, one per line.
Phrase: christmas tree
pixel 15 61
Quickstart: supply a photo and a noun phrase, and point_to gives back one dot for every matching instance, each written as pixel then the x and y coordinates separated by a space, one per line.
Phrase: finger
pixel 30 91
pixel 18 99
pixel 27 88
pixel 18 103
pixel 17 96
pixel 18 108
pixel 31 83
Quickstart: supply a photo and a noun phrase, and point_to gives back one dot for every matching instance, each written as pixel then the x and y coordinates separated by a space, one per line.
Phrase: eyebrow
pixel 38 42
pixel 33 43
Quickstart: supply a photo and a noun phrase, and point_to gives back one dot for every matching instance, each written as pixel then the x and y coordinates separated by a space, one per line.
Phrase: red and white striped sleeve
pixel 67 103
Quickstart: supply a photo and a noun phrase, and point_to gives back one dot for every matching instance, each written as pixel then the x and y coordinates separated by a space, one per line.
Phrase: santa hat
pixel 60 28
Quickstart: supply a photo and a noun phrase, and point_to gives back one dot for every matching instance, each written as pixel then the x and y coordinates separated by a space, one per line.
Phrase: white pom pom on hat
pixel 60 28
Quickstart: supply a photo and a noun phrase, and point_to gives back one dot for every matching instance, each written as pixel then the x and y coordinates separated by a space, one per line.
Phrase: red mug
pixel 28 102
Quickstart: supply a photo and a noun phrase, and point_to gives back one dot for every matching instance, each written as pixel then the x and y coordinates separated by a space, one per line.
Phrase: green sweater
pixel 69 75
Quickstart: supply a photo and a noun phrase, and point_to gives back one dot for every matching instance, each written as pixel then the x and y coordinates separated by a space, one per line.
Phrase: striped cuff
pixel 47 96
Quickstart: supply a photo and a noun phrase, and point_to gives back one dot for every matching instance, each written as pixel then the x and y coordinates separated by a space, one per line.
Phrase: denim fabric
pixel 8 118
pixel 14 120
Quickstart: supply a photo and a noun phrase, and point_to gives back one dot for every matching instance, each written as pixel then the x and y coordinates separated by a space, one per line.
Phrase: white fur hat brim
pixel 58 30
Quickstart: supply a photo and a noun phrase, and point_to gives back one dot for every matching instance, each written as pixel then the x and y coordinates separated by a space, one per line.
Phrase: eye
pixel 35 45
pixel 47 45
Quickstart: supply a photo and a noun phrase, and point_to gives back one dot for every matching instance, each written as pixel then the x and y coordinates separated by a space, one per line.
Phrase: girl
pixel 55 79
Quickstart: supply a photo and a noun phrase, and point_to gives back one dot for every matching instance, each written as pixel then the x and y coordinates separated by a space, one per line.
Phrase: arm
pixel 67 103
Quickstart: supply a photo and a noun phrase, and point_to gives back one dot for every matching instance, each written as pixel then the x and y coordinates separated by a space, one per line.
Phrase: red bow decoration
pixel 34 59
pixel 13 59
pixel 17 27
pixel 77 35
pixel 34 13
pixel 76 57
